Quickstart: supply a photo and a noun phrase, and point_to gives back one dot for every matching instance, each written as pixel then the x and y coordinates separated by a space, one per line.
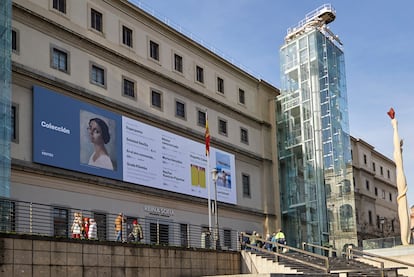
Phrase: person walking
pixel 119 220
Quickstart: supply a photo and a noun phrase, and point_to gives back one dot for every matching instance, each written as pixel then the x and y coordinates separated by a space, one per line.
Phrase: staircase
pixel 298 261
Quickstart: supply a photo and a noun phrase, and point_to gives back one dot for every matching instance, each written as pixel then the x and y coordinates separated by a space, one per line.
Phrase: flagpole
pixel 207 142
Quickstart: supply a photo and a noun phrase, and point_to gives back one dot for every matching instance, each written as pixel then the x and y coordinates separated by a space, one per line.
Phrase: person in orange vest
pixel 119 220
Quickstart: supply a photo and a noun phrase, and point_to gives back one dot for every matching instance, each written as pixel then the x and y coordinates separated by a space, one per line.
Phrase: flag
pixel 207 137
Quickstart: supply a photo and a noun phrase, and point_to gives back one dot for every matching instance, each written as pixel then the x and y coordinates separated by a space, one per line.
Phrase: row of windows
pixel 96 24
pixel 60 60
pixel 375 169
pixel 380 222
pixel 383 195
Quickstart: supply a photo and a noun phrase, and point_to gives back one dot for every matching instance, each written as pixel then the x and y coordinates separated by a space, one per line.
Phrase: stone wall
pixel 22 256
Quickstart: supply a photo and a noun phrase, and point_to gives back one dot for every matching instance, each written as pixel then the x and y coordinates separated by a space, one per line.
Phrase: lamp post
pixel 214 176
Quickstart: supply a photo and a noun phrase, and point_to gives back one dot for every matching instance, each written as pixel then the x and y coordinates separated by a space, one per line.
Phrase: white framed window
pixel 244 135
pixel 222 127
pixel 201 118
pixel 220 85
pixel 96 20
pixel 97 74
pixel 246 185
pixel 59 59
pixel 199 71
pixel 14 118
pixel 156 99
pixel 15 41
pixel 128 87
pixel 242 96
pixel 127 36
pixel 154 50
pixel 178 63
pixel 180 109
pixel 59 5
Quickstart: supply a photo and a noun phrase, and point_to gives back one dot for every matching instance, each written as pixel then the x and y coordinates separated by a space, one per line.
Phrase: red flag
pixel 207 137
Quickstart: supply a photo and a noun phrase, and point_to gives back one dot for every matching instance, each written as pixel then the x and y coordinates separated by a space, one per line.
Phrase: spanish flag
pixel 207 137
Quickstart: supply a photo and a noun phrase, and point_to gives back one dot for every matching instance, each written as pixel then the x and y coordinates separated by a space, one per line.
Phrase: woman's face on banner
pixel 95 133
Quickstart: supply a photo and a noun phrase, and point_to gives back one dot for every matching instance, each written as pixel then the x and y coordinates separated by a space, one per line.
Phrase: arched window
pixel 346 218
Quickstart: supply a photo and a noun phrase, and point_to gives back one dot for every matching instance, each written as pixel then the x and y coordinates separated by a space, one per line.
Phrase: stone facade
pixel 43 257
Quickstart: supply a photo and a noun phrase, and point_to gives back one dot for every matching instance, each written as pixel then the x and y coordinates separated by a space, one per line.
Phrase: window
pixel 244 135
pixel 373 167
pixel 100 219
pixel 370 217
pixel 376 191
pixel 220 85
pixel 381 170
pixel 367 184
pixel 227 238
pixel 390 197
pixel 178 63
pixel 346 217
pixel 201 119
pixel 59 60
pixel 383 194
pixel 97 75
pixel 242 96
pixel 199 74
pixel 14 121
pixel 156 99
pixel 378 222
pixel 388 174
pixel 127 36
pixel 128 88
pixel 96 20
pixel 365 159
pixel 154 50
pixel 179 109
pixel 246 185
pixel 60 5
pixel 222 127
pixel 184 235
pixel 15 41
pixel 159 233
pixel 60 222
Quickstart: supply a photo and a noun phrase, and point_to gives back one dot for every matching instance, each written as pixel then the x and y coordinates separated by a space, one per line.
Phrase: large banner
pixel 71 134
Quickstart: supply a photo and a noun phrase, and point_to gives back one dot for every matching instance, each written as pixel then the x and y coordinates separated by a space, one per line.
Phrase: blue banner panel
pixel 74 135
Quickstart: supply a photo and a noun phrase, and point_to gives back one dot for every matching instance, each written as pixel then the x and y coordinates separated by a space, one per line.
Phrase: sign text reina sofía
pixel 159 211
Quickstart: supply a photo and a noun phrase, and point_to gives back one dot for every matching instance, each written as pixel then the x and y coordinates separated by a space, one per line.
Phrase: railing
pixel 20 217
pixel 331 252
pixel 279 251
pixel 381 243
pixel 352 253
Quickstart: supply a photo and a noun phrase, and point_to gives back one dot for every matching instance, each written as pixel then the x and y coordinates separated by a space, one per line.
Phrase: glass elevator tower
pixel 317 195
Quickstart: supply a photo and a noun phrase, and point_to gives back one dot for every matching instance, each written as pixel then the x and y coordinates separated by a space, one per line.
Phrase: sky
pixel 377 37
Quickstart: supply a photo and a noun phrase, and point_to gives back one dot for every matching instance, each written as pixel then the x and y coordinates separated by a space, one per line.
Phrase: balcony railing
pixel 20 217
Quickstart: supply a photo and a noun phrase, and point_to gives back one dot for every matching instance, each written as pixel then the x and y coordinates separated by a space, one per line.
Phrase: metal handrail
pixel 278 246
pixel 329 249
pixel 364 255
pixel 29 218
